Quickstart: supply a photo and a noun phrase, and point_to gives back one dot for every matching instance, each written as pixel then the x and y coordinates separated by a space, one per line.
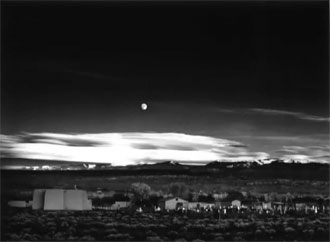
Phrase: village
pixel 141 198
pixel 178 214
pixel 178 199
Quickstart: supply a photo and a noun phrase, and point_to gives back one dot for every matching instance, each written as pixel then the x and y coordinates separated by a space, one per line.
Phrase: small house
pixel 175 203
pixel 120 205
pixel 194 205
pixel 19 204
pixel 236 203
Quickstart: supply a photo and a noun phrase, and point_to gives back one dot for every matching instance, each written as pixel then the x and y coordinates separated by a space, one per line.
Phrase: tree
pixel 192 197
pixel 178 189
pixel 208 199
pixel 120 197
pixel 154 199
pixel 234 195
pixel 140 190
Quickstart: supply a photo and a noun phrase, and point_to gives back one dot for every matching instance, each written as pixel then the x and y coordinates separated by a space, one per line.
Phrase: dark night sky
pixel 253 72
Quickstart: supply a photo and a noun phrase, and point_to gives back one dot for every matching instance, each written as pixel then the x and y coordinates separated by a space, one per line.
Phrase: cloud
pixel 319 154
pixel 60 139
pixel 226 110
pixel 298 115
pixel 126 148
pixel 239 145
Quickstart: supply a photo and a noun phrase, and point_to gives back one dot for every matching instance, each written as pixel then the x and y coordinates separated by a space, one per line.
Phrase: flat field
pixel 16 183
pixel 29 225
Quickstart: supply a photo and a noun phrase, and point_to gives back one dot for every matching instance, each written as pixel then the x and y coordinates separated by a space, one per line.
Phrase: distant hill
pixel 167 165
pixel 7 163
pixel 224 165
pixel 242 170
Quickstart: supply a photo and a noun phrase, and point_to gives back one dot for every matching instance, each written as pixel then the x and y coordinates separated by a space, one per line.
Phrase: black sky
pixel 263 50
pixel 87 66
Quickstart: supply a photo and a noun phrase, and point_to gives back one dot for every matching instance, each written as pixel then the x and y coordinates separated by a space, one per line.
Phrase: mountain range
pixel 259 169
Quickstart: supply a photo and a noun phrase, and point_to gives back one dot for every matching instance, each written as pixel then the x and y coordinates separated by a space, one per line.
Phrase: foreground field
pixel 27 225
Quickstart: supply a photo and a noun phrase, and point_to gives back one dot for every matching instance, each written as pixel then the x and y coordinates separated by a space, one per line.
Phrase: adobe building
pixel 59 199
pixel 174 203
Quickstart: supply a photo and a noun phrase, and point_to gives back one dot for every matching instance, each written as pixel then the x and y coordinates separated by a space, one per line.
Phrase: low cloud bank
pixel 125 148
pixel 122 149
pixel 320 154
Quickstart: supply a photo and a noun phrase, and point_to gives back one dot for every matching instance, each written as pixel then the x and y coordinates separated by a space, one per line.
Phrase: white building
pixel 236 203
pixel 120 204
pixel 194 205
pixel 38 199
pixel 175 203
pixel 19 204
pixel 59 199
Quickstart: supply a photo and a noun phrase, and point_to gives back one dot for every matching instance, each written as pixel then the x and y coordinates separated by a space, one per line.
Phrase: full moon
pixel 144 106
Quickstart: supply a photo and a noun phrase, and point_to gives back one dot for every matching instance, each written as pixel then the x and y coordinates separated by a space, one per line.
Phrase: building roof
pixel 171 198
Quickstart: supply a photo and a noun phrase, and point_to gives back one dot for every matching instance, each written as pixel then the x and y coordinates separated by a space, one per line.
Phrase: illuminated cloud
pixel 293 114
pixel 318 154
pixel 126 148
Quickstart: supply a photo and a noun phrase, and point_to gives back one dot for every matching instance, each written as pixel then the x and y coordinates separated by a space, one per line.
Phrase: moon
pixel 144 106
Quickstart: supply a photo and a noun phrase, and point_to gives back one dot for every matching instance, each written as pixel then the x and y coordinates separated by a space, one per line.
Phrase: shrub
pixel 138 235
pixel 290 233
pixel 59 236
pixel 73 238
pixel 238 238
pixel 258 234
pixel 14 237
pixel 172 235
pixel 154 238
pixel 123 237
pixel 87 238
pixel 110 231
pixel 96 224
pixel 198 240
pixel 207 236
pixel 181 240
